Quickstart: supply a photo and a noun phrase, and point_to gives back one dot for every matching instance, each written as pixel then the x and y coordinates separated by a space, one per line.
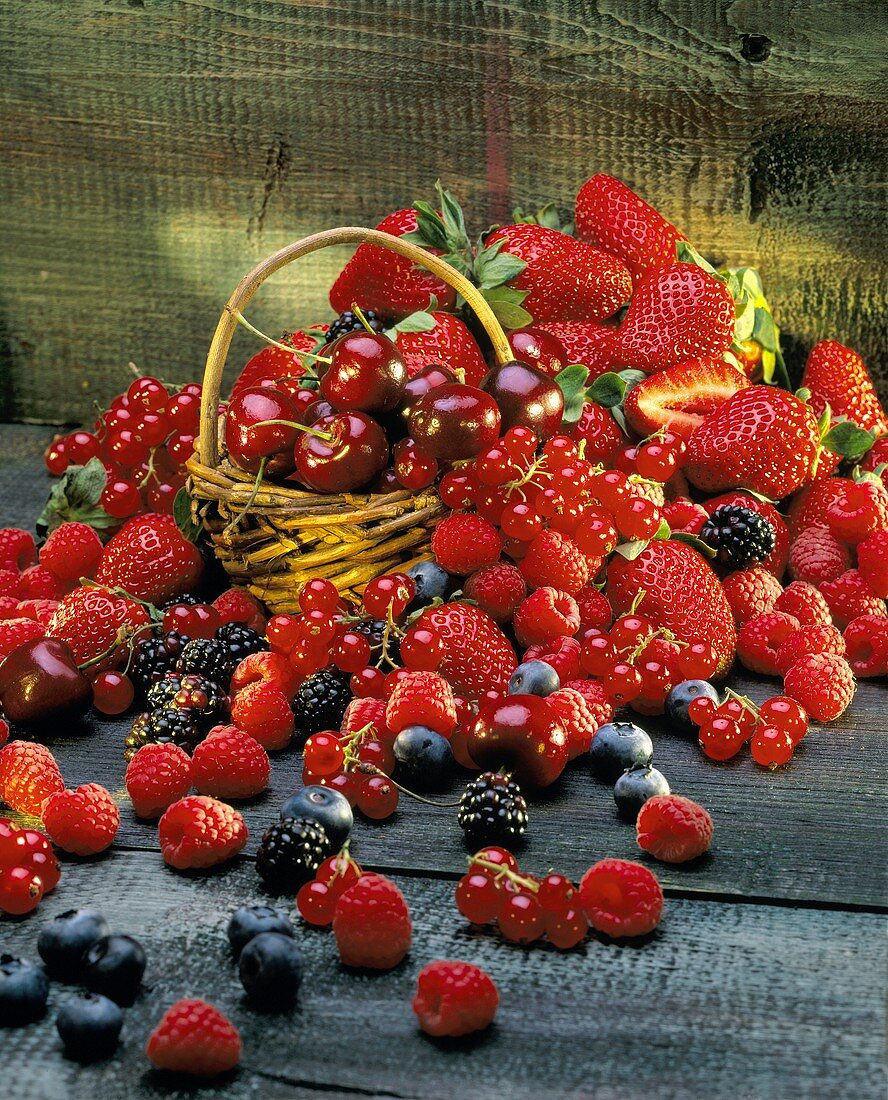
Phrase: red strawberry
pixel 836 376
pixel 877 456
pixel 477 655
pixel 681 593
pixel 587 342
pixel 151 559
pixel 610 215
pixel 682 396
pixel 378 279
pixel 762 438
pixel 677 313
pixel 449 343
pixel 564 280
pixel 91 620
pixel 271 363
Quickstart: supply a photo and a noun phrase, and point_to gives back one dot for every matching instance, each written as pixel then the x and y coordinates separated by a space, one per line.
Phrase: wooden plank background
pixel 153 150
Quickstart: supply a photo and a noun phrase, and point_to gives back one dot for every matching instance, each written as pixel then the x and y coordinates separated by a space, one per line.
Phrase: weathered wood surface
pixel 814 831
pixel 725 1001
pixel 153 150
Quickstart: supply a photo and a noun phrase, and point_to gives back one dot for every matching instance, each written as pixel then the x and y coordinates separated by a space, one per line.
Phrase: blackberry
pixel 176 725
pixel 321 701
pixel 740 536
pixel 374 631
pixel 239 641
pixel 154 657
pixel 187 598
pixel 349 321
pixel 290 853
pixel 492 810
pixel 191 691
pixel 206 657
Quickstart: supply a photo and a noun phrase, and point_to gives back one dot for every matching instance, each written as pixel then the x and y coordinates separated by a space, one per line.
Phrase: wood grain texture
pixel 814 831
pixel 154 150
pixel 724 1002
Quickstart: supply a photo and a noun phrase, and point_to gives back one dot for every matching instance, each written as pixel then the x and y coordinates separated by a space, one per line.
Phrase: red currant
pixel 390 593
pixel 323 753
pixel 319 595
pixel 56 457
pixel 80 447
pixel 501 857
pixel 316 903
pixel 21 890
pixel 377 797
pixel 351 652
pixel 346 784
pixel 629 630
pixel 701 709
pixel 720 738
pixel 183 412
pixel 147 393
pixel 520 521
pixel 771 747
pixel 458 488
pixel 597 534
pixel 521 919
pixel 368 683
pixel 422 649
pixel 656 462
pixel 697 661
pixel 742 715
pixel 556 893
pixel 622 683
pixel 638 518
pixel 567 928
pixel 597 656
pixel 282 631
pixel 477 897
pixel 786 714
pixel 414 468
pixel 120 498
pixel 520 443
pixel 113 692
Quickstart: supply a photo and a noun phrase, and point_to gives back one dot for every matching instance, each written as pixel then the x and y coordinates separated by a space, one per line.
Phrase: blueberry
pixel 616 747
pixel 534 678
pixel 328 807
pixel 114 966
pixel 251 920
pixel 425 759
pixel 431 583
pixel 271 970
pixel 89 1026
pixel 682 695
pixel 635 787
pixel 24 988
pixel 64 940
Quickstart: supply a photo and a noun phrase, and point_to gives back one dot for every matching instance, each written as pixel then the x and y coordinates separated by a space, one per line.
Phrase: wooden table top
pixel 765 978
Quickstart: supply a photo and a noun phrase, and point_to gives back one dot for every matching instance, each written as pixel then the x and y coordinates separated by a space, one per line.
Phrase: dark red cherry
pixel 367 373
pixel 539 349
pixel 316 409
pixel 455 421
pixel 526 398
pixel 354 453
pixel 250 437
pixel 520 734
pixel 40 683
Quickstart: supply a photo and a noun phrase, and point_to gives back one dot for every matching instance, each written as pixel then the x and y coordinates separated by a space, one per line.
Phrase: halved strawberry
pixel 681 397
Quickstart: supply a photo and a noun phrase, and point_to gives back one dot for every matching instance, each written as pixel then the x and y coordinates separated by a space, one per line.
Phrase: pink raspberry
pixel 38 583
pixel 817 556
pixel 859 511
pixel 872 561
pixel 421 699
pixel 497 589
pixel 866 644
pixel 823 683
pixel 554 560
pixel 562 653
pixel 594 607
pixel 545 615
pixel 596 699
pixel 805 602
pixel 17 550
pixel 578 718
pixel 9 608
pixel 684 515
pixel 463 542
pixel 237 605
pixel 759 640
pixel 750 592
pixel 15 632
pixel 849 596
pixel 262 711
pixel 10 583
pixel 367 712
pixel 820 638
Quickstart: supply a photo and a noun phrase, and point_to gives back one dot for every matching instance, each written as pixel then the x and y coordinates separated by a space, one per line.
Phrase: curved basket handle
pixel 208 444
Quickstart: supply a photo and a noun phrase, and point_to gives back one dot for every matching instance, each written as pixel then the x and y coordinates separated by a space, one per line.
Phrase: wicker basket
pixel 285 536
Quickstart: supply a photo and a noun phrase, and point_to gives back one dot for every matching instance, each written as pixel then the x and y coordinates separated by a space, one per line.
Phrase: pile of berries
pixel 143 440
pixel 773 730
pixel 615 897
pixel 28 868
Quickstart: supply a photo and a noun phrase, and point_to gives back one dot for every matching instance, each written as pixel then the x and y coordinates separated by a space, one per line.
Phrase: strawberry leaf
pixel 572 379
pixel 506 305
pixel 631 550
pixel 416 322
pixel 75 497
pixel 184 518
pixel 845 438
pixel 663 532
pixel 546 216
pixel 609 389
pixel 692 540
pixel 494 271
pixel 685 253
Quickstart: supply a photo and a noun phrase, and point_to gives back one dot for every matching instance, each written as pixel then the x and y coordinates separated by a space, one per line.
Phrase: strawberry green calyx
pixel 75 498
pixel 547 216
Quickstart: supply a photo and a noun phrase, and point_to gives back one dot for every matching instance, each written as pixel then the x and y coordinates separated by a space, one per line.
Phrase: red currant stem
pixel 172 387
pixel 150 472
pixel 660 632
pixel 328 436
pixel 241 320
pixel 639 596
pixel 125 636
pixel 260 473
pixel 412 794
pixel 637 479
pixel 359 313
pixel 658 435
pixel 505 872
pixel 348 749
pixel 744 701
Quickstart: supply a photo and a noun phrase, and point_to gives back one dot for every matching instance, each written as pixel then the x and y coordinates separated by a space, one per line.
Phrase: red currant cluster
pixel 773 729
pixel 28 868
pixel 143 440
pixel 325 633
pixel 523 907
pixel 316 900
pixel 656 458
pixel 523 492
pixel 355 764
pixel 639 664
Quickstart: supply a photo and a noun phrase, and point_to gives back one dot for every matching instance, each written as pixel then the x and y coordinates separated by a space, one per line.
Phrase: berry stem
pixel 152 609
pixel 241 320
pixel 260 473
pixel 505 872
pixel 125 636
pixel 359 313
pixel 328 436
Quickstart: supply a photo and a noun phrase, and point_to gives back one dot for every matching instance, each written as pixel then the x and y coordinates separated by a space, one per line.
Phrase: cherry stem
pixel 241 320
pixel 505 872
pixel 125 636
pixel 248 503
pixel 116 590
pixel 328 436
pixel 359 313
pixel 412 794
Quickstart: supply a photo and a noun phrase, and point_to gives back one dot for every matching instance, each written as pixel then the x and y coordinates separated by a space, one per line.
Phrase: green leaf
pixel 573 409
pixel 75 497
pixel 451 211
pixel 845 438
pixel 692 540
pixel 631 550
pixel 84 489
pixel 506 304
pixel 183 516
pixel 685 253
pixel 497 270
pixel 823 422
pixel 744 322
pixel 664 531
pixel 416 322
pixel 571 380
pixel 618 415
pixel 609 389
pixel 764 331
